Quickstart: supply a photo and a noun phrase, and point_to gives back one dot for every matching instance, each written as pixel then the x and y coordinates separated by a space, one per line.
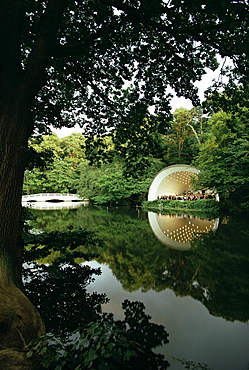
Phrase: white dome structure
pixel 172 180
pixel 177 230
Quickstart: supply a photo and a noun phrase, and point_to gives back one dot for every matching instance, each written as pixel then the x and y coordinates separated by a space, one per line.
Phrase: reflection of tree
pixel 58 291
pixel 224 270
pixel 53 220
pixel 180 275
pixel 85 335
pixel 215 271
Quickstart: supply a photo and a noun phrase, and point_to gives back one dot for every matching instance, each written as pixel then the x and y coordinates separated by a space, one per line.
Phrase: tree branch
pixel 195 31
pixel 195 133
pixel 11 17
pixel 34 75
pixel 61 51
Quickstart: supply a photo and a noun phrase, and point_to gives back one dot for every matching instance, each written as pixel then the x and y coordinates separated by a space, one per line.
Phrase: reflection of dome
pixel 172 180
pixel 177 231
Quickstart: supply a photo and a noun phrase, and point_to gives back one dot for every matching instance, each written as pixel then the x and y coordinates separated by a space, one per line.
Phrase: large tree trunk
pixel 19 320
pixel 14 132
pixel 20 84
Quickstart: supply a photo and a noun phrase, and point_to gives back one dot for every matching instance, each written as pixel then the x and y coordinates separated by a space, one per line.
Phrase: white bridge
pixel 51 197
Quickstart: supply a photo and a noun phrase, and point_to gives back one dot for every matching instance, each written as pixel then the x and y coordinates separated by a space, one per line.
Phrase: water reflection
pixel 54 205
pixel 178 230
pixel 213 271
pixel 200 295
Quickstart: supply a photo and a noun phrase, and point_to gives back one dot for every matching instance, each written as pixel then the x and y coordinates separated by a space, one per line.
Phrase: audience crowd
pixel 186 197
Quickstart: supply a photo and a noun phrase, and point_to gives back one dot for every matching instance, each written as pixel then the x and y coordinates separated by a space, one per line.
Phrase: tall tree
pixel 63 58
pixel 54 164
pixel 223 158
pixel 184 135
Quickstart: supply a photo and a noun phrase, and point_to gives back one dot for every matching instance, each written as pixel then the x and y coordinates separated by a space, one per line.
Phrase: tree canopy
pixel 223 158
pixel 71 57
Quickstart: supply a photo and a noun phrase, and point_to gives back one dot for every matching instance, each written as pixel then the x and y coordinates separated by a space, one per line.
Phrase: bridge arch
pixel 51 197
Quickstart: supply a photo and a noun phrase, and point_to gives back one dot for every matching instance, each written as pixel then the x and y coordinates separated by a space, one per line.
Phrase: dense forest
pixel 217 143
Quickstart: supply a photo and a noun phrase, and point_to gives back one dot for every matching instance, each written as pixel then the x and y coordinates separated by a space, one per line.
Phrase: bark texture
pixel 21 80
pixel 14 132
pixel 20 322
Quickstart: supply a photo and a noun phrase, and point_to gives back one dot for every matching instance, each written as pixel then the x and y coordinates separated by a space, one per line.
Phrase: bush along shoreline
pixel 209 206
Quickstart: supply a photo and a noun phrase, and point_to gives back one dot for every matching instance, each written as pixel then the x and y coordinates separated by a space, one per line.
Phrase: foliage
pixel 82 334
pixel 223 261
pixel 69 171
pixel 184 135
pixel 89 50
pixel 59 293
pixel 122 41
pixel 51 143
pixel 202 205
pixel 220 145
pixel 60 170
pixel 113 188
pixel 40 244
pixel 234 96
pixel 223 159
pixel 141 143
pixel 73 148
pixel 60 177
pixel 99 150
pixel 108 184
pixel 191 364
pixel 97 346
pixel 105 344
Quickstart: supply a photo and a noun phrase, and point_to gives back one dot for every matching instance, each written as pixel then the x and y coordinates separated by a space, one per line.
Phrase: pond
pixel 192 275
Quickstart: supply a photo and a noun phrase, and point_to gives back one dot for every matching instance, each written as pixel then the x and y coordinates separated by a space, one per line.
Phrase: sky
pixel 175 103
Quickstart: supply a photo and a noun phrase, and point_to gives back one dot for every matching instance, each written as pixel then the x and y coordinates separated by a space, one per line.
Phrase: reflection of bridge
pixel 51 197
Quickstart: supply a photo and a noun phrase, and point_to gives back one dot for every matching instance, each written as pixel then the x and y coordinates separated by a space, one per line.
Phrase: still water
pixel 192 274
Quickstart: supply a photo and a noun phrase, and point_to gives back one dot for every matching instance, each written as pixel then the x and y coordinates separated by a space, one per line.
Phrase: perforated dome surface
pixel 172 180
pixel 178 231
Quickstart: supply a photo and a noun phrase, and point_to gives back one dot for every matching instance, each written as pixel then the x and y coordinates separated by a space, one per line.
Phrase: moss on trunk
pixel 20 322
